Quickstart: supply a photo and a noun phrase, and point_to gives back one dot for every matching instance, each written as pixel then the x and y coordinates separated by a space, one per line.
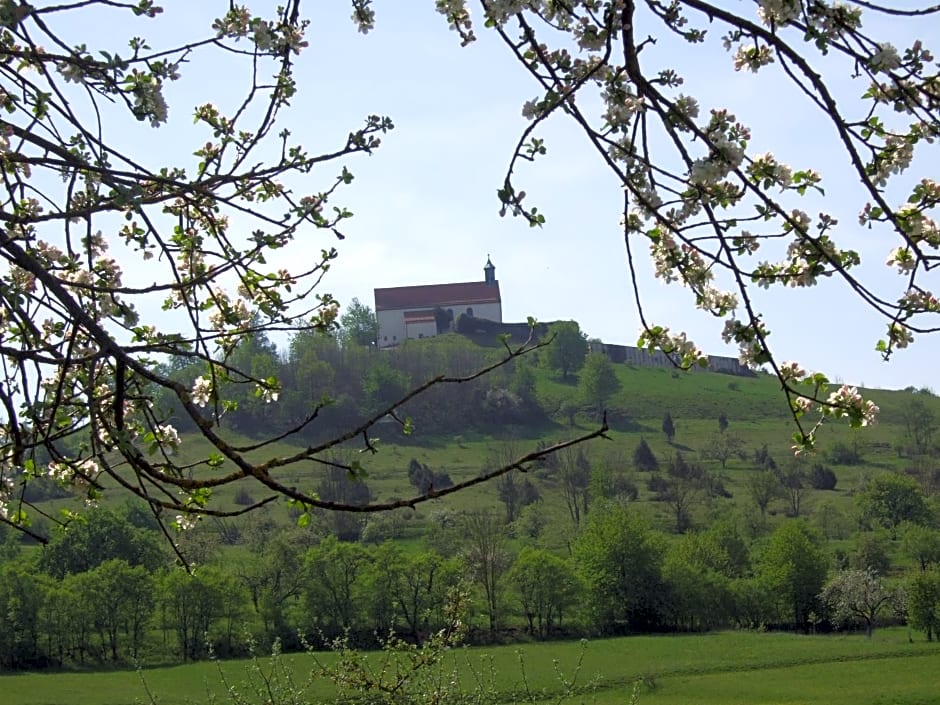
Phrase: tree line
pixel 106 592
pixel 348 381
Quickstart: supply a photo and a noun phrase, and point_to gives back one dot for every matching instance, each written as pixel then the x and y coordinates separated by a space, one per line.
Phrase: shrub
pixel 822 478
pixel 844 454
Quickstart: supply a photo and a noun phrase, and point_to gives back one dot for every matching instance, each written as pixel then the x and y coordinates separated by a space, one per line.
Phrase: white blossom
pixel 848 402
pixel 778 12
pixel 59 471
pixel 186 522
pixel 167 436
pixel 202 391
pixel 687 106
pixel 900 335
pixel 885 59
pixel 267 394
pixel 752 57
pixel 894 157
pixel 7 488
pixel 149 102
pixel 363 15
pixel 902 258
pixel 802 405
pixel 792 371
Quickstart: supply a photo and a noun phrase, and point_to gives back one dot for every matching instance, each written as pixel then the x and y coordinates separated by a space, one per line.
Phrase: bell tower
pixel 489 272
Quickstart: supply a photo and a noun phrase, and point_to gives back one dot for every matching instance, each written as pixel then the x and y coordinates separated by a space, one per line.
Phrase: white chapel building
pixel 422 311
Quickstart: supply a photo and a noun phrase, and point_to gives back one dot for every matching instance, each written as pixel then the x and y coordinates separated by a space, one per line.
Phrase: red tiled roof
pixel 419 317
pixel 431 295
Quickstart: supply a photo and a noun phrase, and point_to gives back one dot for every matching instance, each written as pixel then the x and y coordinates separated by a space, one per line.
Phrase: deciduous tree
pixel 598 381
pixel 96 537
pixel 720 214
pixel 621 560
pixel 763 487
pixel 568 348
pixel 923 602
pixel 890 499
pixel 574 472
pixel 922 544
pixel 681 488
pixel 793 566
pixel 793 484
pixel 332 593
pixel 855 595
pixel 487 559
pixel 135 277
pixel 722 447
pixel 546 586
pixel 358 324
pixel 919 427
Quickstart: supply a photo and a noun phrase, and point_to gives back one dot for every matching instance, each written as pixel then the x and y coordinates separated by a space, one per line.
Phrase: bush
pixel 844 454
pixel 384 527
pixel 871 553
pixel 822 478
pixel 424 479
pixel 716 488
pixel 627 489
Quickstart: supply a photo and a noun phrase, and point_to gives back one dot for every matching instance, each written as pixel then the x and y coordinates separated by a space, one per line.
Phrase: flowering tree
pixel 717 217
pixel 85 352
pixel 857 595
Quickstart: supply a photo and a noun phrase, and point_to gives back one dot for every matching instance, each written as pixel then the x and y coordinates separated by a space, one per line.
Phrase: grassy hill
pixel 755 408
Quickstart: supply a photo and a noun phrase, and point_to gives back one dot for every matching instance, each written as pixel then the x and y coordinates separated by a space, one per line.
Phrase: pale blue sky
pixel 426 207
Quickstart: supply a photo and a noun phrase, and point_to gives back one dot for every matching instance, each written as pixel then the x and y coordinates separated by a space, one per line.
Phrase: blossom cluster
pixel 202 391
pixel 274 37
pixel 673 344
pixel 727 140
pixel 832 21
pixel 893 158
pixel 752 57
pixel 167 437
pixel 764 169
pixel 81 472
pixel 749 336
pixel 7 488
pixel 778 12
pixel 186 522
pixel 847 402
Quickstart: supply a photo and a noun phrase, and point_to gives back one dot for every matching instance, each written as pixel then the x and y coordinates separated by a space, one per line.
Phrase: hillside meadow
pixel 755 408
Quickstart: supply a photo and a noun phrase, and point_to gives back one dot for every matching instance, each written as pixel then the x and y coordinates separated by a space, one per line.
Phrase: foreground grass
pixel 720 669
pixel 881 681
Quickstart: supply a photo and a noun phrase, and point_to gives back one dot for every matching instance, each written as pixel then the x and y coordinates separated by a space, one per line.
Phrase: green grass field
pixel 727 668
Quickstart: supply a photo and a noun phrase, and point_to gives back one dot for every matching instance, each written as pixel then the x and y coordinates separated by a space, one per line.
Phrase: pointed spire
pixel 489 272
